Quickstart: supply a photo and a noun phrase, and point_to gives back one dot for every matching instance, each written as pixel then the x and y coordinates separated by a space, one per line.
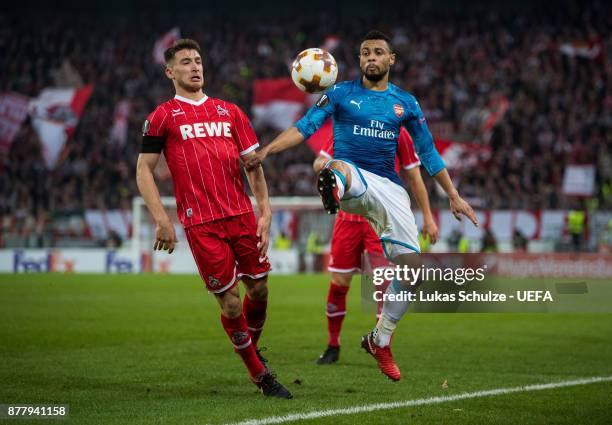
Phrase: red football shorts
pixel 225 250
pixel 349 240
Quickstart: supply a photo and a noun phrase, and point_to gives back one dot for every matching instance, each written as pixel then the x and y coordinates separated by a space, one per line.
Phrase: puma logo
pixel 357 103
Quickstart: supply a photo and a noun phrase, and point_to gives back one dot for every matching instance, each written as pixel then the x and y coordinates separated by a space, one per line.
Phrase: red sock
pixel 255 314
pixel 238 333
pixel 335 312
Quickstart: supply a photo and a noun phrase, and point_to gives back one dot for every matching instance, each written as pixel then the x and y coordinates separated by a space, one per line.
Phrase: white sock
pixel 395 310
pixel 383 331
pixel 392 312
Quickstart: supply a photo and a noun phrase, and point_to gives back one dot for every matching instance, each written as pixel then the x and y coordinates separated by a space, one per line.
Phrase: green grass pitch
pixel 149 349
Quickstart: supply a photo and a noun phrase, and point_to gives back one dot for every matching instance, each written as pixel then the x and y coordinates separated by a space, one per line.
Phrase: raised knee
pixel 344 169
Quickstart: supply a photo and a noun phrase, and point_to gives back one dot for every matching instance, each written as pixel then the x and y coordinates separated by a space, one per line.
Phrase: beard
pixel 374 76
pixel 191 86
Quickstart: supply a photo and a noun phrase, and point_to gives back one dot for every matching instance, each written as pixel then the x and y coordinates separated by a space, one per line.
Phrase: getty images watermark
pixel 476 283
pixel 411 277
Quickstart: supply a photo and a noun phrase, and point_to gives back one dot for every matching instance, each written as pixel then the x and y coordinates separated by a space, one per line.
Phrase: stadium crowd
pixel 553 69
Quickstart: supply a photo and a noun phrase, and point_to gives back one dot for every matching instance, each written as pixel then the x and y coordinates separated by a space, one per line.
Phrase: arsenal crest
pixel 398 109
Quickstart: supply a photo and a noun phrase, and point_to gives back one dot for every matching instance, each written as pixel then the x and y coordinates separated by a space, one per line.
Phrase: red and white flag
pixel 55 116
pixel 163 43
pixel 119 130
pixel 588 49
pixel 331 42
pixel 460 155
pixel 13 110
pixel 277 103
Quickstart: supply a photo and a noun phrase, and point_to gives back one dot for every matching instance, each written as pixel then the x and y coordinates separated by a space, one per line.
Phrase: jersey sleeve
pixel 423 141
pixel 405 151
pixel 154 131
pixel 243 132
pixel 318 113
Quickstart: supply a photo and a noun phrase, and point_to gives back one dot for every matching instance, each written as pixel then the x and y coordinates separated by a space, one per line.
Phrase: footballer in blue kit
pixel 367 114
pixel 366 127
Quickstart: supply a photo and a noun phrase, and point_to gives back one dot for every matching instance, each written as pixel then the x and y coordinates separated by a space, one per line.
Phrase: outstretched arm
pixel 287 139
pixel 165 235
pixel 302 130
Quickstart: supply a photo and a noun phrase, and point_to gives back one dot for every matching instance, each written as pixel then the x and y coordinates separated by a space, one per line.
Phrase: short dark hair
pixel 378 35
pixel 183 43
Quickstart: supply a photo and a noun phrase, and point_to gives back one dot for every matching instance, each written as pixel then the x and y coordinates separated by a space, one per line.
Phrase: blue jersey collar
pixel 389 87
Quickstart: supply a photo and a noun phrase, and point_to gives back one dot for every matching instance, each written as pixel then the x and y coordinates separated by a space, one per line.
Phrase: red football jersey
pixel 202 142
pixel 406 158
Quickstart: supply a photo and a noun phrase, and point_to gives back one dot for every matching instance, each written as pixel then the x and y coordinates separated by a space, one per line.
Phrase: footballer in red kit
pixel 352 235
pixel 205 141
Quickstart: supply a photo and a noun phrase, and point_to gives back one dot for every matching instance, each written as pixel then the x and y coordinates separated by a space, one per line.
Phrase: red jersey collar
pixel 191 102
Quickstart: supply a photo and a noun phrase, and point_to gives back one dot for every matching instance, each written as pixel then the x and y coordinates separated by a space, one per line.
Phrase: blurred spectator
pixel 605 240
pixel 453 240
pixel 424 243
pixel 519 241
pixel 282 242
pixel 114 240
pixel 314 244
pixel 489 242
pixel 463 246
pixel 313 257
pixel 576 226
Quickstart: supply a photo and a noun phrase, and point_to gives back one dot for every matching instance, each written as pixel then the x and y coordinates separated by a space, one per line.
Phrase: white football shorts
pixel 386 206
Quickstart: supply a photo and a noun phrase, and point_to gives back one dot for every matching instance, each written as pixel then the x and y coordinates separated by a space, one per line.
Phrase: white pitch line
pixel 292 417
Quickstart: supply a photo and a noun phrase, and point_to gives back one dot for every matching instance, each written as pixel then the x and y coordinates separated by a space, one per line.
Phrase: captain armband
pixel 152 144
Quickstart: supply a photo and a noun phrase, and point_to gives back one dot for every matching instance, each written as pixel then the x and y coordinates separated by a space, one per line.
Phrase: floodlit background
pixel 519 100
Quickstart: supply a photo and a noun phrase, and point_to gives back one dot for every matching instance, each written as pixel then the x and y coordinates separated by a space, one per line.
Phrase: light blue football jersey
pixel 366 127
